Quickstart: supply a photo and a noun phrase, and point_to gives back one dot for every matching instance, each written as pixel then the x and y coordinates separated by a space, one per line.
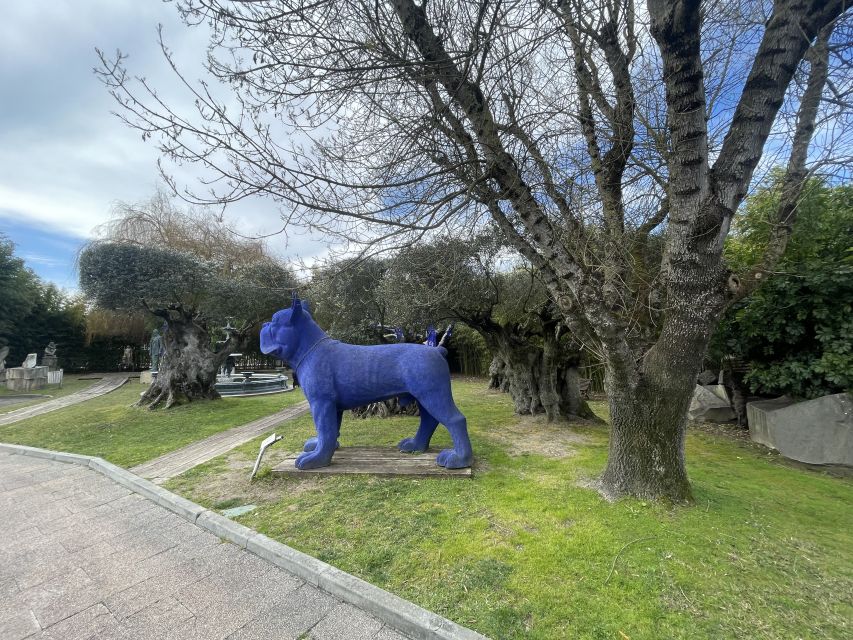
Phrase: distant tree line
pixel 33 312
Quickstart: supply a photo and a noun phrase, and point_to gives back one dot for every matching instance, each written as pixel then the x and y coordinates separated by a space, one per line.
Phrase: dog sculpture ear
pixel 295 308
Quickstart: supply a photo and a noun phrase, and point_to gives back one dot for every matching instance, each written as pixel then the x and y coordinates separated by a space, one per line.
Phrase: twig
pixel 613 566
pixel 685 597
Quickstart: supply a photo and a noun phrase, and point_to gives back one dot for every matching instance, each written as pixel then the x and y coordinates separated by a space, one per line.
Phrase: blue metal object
pixel 336 376
pixel 432 337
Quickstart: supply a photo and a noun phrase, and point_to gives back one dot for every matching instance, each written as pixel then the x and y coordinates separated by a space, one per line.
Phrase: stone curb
pixel 400 614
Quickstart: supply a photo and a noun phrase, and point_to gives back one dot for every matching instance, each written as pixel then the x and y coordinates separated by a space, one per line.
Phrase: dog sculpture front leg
pixel 311 443
pixel 326 422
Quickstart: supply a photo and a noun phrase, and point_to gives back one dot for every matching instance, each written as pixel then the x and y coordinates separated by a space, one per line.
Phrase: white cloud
pixel 64 159
pixel 43 260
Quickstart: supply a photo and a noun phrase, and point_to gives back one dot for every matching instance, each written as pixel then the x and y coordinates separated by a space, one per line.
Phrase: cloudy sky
pixel 64 159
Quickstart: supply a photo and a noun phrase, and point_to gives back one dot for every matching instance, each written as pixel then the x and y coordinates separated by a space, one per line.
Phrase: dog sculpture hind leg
pixel 337 376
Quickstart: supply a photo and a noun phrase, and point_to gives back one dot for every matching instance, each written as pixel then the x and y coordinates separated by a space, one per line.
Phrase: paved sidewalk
pixel 109 382
pixel 83 558
pixel 176 462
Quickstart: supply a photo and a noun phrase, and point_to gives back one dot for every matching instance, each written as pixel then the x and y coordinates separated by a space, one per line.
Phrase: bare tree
pixel 596 135
pixel 161 222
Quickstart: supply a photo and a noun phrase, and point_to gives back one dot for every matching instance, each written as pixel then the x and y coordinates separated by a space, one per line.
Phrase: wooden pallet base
pixel 379 461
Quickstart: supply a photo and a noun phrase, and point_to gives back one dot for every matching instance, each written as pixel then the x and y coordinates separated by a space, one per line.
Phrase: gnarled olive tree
pixel 480 282
pixel 186 293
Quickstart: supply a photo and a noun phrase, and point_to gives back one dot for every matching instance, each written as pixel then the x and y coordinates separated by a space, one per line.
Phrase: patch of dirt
pixel 234 483
pixel 594 484
pixel 729 430
pixel 534 435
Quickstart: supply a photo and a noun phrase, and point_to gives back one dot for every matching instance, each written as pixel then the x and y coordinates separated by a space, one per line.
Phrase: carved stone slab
pixel 818 431
pixel 380 461
pixel 26 379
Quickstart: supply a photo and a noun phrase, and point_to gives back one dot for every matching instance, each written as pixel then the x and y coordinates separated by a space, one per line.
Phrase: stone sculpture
pixel 710 403
pixel 4 351
pixel 49 358
pixel 336 376
pixel 31 361
pixel 818 431
pixel 154 348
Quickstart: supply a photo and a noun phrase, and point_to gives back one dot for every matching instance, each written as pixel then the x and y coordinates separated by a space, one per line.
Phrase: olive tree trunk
pixel 648 428
pixel 540 379
pixel 189 365
pixel 386 409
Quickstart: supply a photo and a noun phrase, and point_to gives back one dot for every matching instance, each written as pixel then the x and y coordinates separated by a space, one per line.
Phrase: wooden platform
pixel 379 461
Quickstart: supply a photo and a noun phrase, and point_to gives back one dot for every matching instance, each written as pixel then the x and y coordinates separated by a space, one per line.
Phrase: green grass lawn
pixel 110 427
pixel 523 550
pixel 70 384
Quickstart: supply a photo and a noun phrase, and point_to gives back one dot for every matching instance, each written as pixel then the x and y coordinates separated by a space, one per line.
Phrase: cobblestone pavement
pixel 110 382
pixel 81 557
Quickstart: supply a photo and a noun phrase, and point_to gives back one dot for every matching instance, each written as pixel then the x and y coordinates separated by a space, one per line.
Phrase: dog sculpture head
pixel 281 336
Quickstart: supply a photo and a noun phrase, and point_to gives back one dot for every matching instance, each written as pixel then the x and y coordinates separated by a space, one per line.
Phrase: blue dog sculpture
pixel 336 376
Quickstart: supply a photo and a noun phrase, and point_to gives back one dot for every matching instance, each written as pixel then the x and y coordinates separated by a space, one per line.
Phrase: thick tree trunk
pixel 386 409
pixel 648 405
pixel 559 386
pixel 189 365
pixel 646 456
pixel 522 373
pixel 540 379
pixel 497 374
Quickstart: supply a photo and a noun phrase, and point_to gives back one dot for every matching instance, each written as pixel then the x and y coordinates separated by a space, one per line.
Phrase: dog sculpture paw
pixel 313 460
pixel 410 445
pixel 449 459
pixel 311 444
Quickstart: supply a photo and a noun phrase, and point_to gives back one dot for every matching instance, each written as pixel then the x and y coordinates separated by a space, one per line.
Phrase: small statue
pixel 30 362
pixel 50 349
pixel 155 347
pixel 432 337
pixel 127 358
pixel 4 351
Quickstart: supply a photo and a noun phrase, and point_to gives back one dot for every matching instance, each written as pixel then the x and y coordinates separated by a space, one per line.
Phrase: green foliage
pixel 467 352
pixel 796 331
pixel 20 287
pixel 346 300
pixel 121 276
pixel 33 312
pixel 449 278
